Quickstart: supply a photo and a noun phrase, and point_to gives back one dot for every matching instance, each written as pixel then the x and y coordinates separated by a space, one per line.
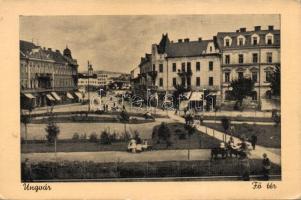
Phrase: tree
pixel 275 81
pixel 226 125
pixel 105 138
pixel 52 132
pixel 179 90
pixel 164 132
pixel 241 88
pixel 124 118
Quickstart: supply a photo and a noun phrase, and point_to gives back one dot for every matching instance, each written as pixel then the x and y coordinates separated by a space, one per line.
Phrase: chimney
pixel 49 49
pixel 200 39
pixel 186 40
pixel 242 30
pixel 237 31
pixel 58 51
pixel 271 28
pixel 44 48
pixel 180 40
pixel 257 28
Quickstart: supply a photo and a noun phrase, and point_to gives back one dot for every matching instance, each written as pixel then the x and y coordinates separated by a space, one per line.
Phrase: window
pixel 240 58
pixel 269 57
pixel 269 40
pixel 154 67
pixel 268 75
pixel 227 77
pixel 227 42
pixel 255 57
pixel 254 76
pixel 198 66
pixel 198 81
pixel 240 75
pixel 255 41
pixel 210 65
pixel 240 41
pixel 174 81
pixel 210 49
pixel 227 59
pixel 188 66
pixel 183 81
pixel 161 82
pixel 174 67
pixel 210 81
pixel 188 81
pixel 183 67
pixel 160 68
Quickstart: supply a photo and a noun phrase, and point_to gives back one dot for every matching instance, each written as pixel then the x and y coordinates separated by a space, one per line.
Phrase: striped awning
pixel 56 96
pixel 79 95
pixel 49 97
pixel 29 95
pixel 196 96
pixel 69 95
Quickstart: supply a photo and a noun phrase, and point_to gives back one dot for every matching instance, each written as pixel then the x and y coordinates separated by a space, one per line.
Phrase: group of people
pixel 244 150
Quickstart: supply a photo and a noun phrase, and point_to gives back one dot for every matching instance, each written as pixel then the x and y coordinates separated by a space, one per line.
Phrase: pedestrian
pixel 266 166
pixel 253 141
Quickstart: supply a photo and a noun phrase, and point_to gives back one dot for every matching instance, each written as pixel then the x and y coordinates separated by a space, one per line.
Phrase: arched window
pixel 269 39
pixel 268 94
pixel 255 39
pixel 227 41
pixel 241 40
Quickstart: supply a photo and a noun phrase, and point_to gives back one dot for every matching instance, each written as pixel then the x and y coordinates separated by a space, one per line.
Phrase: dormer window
pixel 241 40
pixel 269 39
pixel 227 41
pixel 255 39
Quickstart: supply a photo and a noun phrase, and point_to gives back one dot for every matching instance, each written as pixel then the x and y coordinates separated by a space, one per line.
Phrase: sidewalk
pixel 257 153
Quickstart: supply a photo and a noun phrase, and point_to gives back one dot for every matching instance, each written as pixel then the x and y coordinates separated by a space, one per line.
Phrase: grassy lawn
pixel 267 135
pixel 196 141
pixel 93 170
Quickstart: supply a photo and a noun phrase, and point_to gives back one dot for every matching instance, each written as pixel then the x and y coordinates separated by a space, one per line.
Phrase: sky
pixel 116 43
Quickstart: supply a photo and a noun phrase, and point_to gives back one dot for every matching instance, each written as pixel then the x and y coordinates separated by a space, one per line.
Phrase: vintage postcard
pixel 138 102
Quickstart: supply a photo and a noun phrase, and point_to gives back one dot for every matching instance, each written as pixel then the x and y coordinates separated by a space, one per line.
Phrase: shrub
pixel 93 137
pixel 83 136
pixel 75 136
pixel 105 138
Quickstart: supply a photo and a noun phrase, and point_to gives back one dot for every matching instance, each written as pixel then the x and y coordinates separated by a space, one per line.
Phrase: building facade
pixel 210 65
pixel 46 76
pixel 192 64
pixel 254 54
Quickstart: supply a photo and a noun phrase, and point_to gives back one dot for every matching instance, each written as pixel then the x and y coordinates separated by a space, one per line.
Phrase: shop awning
pixel 49 97
pixel 79 95
pixel 29 95
pixel 196 96
pixel 56 96
pixel 69 95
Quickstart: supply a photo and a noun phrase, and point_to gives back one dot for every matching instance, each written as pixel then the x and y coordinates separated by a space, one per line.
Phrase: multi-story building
pixel 253 53
pixel 210 65
pixel 192 64
pixel 46 75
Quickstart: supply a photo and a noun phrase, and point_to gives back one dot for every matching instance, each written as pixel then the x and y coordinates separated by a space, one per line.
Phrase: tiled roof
pixel 26 47
pixel 191 48
pixel 247 35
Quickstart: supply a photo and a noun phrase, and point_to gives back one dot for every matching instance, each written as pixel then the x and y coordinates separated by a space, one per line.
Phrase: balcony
pixel 153 74
pixel 183 73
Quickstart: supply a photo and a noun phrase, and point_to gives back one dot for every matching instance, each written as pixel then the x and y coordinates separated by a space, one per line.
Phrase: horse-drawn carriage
pixel 135 147
pixel 241 150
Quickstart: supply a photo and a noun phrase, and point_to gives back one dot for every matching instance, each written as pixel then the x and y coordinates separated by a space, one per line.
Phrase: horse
pixel 218 151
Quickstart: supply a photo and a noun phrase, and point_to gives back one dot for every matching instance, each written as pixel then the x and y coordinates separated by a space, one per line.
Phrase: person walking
pixel 253 141
pixel 266 166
